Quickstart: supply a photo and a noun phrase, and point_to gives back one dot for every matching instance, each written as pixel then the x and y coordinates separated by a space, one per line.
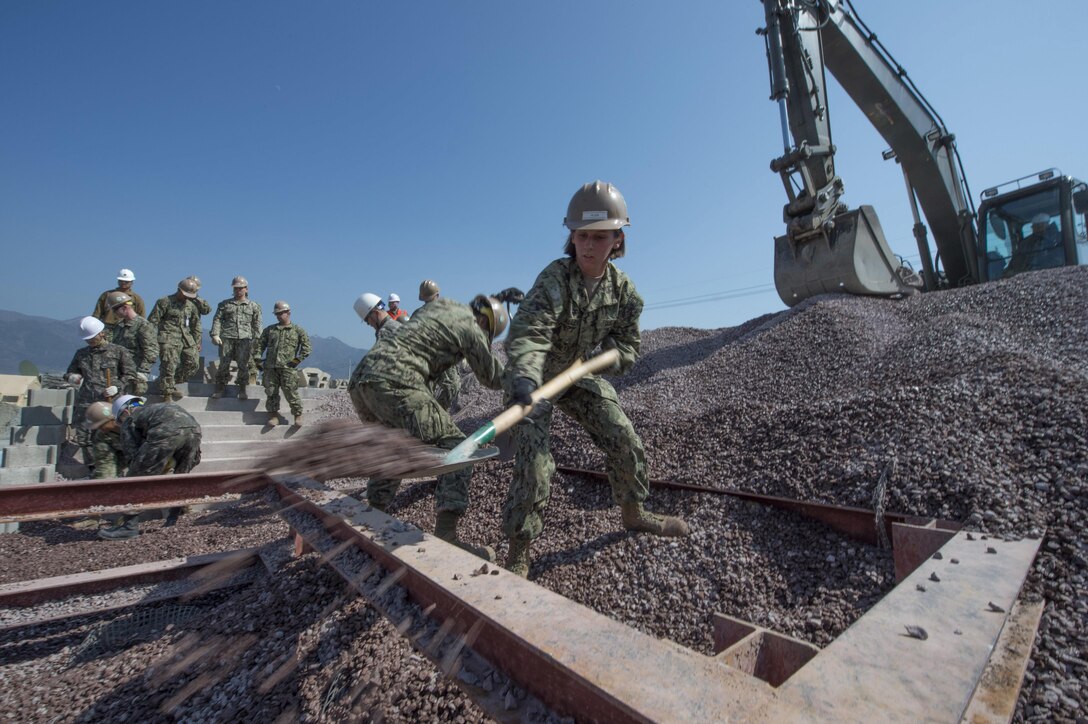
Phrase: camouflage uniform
pixel 280 346
pixel 137 335
pixel 178 323
pixel 159 439
pixel 387 327
pixel 556 324
pixel 101 366
pixel 447 386
pixel 394 384
pixel 237 323
pixel 110 460
pixel 103 312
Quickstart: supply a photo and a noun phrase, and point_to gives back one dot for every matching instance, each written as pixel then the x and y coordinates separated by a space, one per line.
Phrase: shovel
pixel 468 452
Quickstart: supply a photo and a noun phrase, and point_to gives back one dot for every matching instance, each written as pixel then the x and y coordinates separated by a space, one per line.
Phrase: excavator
pixel 1034 222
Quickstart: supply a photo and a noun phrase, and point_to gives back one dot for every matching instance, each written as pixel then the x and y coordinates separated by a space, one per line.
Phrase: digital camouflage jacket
pixel 138 336
pixel 279 345
pixel 237 319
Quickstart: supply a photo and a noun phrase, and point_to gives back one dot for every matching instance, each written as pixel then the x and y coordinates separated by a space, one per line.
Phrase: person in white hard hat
pixel 371 310
pixel 102 310
pixel 394 308
pixel 94 368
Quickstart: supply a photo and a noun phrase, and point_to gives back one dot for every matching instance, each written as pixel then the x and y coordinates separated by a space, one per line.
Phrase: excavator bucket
pixel 853 259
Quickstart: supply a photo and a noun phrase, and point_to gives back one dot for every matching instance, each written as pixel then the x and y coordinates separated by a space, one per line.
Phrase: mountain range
pixel 50 344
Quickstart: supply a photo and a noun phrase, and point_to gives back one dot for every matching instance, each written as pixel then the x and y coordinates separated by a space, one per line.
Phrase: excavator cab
pixel 1039 224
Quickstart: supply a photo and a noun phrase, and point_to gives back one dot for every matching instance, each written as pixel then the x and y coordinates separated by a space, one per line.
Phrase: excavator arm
pixel 827 248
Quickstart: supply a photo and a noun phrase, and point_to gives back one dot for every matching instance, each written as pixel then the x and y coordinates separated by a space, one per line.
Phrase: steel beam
pixel 29 593
pixel 857 523
pixel 83 495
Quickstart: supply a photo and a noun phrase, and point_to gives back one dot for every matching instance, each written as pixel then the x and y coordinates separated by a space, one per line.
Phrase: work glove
pixel 522 391
pixel 510 295
pixel 141 376
pixel 294 363
pixel 75 378
pixel 111 392
pixel 217 341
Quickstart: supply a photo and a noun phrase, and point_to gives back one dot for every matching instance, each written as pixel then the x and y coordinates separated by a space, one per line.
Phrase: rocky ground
pixel 970 405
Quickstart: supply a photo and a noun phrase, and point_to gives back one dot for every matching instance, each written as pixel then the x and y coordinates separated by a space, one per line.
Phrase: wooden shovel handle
pixel 554 387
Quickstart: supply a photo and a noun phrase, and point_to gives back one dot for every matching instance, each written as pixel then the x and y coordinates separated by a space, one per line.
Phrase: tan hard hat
pixel 189 287
pixel 196 280
pixel 239 282
pixel 98 414
pixel 281 306
pixel 492 309
pixel 117 299
pixel 597 205
pixel 428 290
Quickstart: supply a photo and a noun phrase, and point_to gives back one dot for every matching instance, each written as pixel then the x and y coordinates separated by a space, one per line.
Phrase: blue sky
pixel 329 148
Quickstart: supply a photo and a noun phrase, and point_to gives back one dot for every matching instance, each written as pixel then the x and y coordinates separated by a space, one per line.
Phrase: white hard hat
pixel 126 401
pixel 393 297
pixel 1041 218
pixel 365 304
pixel 126 275
pixel 90 327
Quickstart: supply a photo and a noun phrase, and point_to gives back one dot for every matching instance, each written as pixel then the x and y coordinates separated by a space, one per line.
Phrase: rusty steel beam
pixel 82 495
pixel 30 593
pixel 995 698
pixel 912 545
pixel 857 523
pixel 576 661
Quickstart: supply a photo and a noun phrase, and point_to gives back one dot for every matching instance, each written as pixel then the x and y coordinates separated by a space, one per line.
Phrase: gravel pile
pixel 971 405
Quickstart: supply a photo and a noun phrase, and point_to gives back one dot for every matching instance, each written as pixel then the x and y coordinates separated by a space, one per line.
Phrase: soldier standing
pixel 177 320
pixel 394 385
pixel 235 327
pixel 447 387
pixel 102 310
pixel 577 304
pixel 135 334
pixel 283 345
pixel 157 439
pixel 192 364
pixel 95 368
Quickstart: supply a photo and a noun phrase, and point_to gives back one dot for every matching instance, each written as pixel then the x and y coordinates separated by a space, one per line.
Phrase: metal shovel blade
pixel 476 457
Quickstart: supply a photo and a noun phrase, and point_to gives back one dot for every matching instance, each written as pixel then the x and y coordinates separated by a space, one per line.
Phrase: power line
pixel 712 297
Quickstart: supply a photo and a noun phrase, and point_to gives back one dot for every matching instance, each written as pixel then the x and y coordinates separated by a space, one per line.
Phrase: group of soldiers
pixel 578 305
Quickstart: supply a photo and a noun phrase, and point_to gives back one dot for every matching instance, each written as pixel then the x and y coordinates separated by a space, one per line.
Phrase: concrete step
pixel 233 404
pixel 37 435
pixel 225 433
pixel 237 448
pixel 16 456
pixel 255 392
pixel 34 474
pixel 45 415
pixel 50 398
pixel 219 465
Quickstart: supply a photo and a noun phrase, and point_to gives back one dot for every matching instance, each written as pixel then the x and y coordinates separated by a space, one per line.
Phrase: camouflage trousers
pixel 447 388
pixel 177 363
pixel 416 411
pixel 179 455
pixel 593 404
pixel 285 379
pixel 239 351
pixel 109 458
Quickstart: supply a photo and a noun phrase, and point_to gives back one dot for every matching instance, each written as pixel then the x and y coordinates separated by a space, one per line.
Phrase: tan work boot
pixel 242 393
pixel 517 559
pixel 635 517
pixel 273 419
pixel 445 528
pixel 298 420
pixel 176 395
pixel 219 390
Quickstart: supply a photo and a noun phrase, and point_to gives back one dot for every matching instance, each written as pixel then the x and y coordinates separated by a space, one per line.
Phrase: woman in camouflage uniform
pixel 577 304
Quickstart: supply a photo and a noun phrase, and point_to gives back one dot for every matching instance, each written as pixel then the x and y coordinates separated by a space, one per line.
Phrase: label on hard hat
pixel 594 215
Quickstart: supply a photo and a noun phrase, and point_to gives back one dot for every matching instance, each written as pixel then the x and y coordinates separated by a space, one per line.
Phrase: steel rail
pixel 857 523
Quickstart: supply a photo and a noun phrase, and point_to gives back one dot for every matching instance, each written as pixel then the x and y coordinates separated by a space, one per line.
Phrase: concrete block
pixel 313 377
pixel 38 434
pixel 39 474
pixel 51 398
pixel 9 414
pixel 45 416
pixel 17 456
pixel 9 528
pixel 14 388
